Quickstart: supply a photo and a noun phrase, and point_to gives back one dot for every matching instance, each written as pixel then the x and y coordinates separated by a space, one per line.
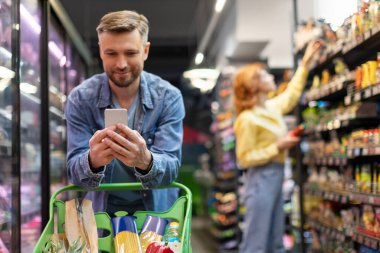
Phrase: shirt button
pixel 149 140
pixel 144 194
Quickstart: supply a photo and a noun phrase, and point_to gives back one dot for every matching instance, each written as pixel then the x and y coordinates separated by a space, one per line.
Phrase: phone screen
pixel 114 116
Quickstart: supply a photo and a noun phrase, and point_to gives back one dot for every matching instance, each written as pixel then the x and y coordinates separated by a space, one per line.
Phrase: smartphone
pixel 114 116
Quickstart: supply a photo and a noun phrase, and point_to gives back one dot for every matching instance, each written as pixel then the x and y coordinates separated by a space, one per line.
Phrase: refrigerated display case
pixel 30 112
pixel 57 97
pixel 24 57
pixel 5 127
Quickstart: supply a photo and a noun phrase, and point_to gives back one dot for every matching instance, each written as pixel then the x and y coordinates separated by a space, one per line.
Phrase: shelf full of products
pixel 341 145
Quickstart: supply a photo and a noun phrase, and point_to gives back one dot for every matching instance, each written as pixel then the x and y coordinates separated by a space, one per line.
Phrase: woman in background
pixel 262 142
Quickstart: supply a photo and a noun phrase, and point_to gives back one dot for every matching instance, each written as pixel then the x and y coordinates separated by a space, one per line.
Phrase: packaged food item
pixel 156 247
pixel 297 131
pixel 171 238
pixel 365 76
pixel 358 78
pixel 378 68
pixel 80 226
pixel 372 66
pixel 152 230
pixel 126 239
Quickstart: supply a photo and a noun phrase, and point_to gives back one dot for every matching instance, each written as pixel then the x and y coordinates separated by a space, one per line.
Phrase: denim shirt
pixel 159 121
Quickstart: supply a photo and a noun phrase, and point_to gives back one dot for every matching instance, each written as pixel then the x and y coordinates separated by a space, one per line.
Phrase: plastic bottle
pixel 172 235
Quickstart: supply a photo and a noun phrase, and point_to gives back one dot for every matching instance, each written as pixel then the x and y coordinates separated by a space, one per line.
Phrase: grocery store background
pixel 49 47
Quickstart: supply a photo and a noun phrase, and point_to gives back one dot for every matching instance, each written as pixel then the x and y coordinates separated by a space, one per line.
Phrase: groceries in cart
pixel 80 230
pixel 125 233
pixel 152 230
pixel 152 238
pixel 73 226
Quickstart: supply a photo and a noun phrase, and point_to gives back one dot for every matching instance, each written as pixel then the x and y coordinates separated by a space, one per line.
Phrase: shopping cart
pixel 180 211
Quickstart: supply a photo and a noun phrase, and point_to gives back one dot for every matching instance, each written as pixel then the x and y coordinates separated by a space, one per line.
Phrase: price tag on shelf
pixel 375 90
pixel 367 34
pixel 357 152
pixel 360 239
pixel 344 199
pixel 367 242
pixel 347 100
pixel 374 244
pixel 357 96
pixel 365 152
pixel 367 93
pixel 375 29
pixel 371 200
pixel 377 151
pixel 350 152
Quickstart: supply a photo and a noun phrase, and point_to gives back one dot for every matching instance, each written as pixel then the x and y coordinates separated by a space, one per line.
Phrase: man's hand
pixel 100 154
pixel 129 147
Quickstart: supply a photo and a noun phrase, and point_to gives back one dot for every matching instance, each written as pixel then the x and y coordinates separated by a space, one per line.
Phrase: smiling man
pixel 148 149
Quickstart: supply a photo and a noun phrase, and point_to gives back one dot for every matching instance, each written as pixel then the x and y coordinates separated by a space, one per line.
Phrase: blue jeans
pixel 264 220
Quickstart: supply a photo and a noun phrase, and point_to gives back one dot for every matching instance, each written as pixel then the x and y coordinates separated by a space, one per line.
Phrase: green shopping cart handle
pixel 116 187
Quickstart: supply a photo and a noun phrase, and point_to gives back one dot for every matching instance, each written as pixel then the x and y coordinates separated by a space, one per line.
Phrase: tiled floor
pixel 201 239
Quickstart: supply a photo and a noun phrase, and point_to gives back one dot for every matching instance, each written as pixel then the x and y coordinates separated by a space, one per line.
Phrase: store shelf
pixel 368 94
pixel 346 125
pixel 366 240
pixel 343 196
pixel 329 92
pixel 332 232
pixel 326 161
pixel 352 52
pixel 364 153
pixel 340 196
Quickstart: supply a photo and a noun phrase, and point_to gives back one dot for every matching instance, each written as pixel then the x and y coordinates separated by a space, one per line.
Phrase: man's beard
pixel 123 83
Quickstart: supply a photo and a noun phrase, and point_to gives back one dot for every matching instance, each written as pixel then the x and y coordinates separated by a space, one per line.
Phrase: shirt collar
pixel 105 98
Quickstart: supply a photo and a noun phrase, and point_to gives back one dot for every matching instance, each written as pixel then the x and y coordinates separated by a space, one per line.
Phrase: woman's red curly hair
pixel 245 86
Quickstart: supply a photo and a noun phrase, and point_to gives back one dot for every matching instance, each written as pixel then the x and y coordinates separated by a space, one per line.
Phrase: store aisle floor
pixel 201 239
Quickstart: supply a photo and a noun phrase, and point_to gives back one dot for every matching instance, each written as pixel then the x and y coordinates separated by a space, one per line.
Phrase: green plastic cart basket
pixel 180 211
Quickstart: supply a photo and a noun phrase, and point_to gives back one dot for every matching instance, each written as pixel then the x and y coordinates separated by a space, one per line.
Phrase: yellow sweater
pixel 257 130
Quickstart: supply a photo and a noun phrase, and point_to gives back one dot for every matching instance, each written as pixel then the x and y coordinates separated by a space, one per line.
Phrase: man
pixel 148 150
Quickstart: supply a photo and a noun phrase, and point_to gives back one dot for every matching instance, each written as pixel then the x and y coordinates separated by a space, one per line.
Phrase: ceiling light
pixel 219 5
pixel 202 73
pixel 199 58
pixel 203 79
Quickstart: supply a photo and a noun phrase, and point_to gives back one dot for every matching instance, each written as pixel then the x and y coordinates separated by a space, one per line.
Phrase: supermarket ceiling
pixel 176 27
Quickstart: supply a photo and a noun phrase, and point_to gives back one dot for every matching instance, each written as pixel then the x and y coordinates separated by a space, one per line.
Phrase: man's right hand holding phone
pixel 120 142
pixel 100 153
